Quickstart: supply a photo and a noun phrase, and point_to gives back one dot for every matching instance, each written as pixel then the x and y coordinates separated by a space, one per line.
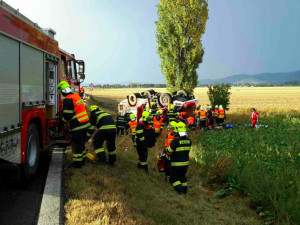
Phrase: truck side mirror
pixel 80 71
pixel 81 67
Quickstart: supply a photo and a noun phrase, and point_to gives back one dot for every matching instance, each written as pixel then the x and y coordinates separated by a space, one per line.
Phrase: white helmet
pixel 209 106
pixel 202 108
pixel 221 107
pixel 216 106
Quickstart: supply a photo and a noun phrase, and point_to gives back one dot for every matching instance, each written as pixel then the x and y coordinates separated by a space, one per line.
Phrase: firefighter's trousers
pixel 120 130
pixel 253 122
pixel 98 141
pixel 202 123
pixel 178 178
pixel 133 138
pixel 143 156
pixel 78 146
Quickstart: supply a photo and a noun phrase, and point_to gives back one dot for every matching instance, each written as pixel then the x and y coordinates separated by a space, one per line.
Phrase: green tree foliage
pixel 219 95
pixel 180 26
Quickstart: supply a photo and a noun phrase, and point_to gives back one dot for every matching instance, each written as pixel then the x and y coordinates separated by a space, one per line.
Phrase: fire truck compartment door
pixel 32 74
pixel 9 83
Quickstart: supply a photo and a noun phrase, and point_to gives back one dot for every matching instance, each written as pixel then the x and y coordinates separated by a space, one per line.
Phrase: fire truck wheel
pixel 165 99
pixel 183 93
pixel 132 98
pixel 158 100
pixel 149 93
pixel 32 152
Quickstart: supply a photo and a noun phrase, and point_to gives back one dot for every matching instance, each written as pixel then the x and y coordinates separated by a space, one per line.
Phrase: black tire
pixel 165 99
pixel 132 98
pixel 32 152
pixel 149 93
pixel 183 93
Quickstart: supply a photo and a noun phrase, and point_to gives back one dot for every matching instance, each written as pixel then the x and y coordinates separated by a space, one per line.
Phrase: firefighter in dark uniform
pixel 74 113
pixel 121 124
pixel 144 140
pixel 153 108
pixel 106 132
pixel 179 153
pixel 172 115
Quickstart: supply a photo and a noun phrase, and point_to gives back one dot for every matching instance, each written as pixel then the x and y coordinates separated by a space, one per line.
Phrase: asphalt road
pixel 20 203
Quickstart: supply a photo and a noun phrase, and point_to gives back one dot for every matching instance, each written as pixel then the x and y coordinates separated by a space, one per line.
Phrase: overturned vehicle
pixel 180 99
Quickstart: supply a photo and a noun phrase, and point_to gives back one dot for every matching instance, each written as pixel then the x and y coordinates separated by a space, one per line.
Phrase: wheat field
pixel 275 99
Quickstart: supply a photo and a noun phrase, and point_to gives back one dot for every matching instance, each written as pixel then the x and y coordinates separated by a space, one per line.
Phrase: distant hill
pixel 263 78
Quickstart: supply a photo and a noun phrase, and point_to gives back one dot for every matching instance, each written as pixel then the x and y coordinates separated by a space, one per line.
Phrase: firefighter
pixel 197 114
pixel 121 123
pixel 172 115
pixel 221 115
pixel 144 140
pixel 202 118
pixel 154 108
pixel 209 116
pixel 191 122
pixel 127 120
pixel 216 112
pixel 158 124
pixel 74 112
pixel 254 118
pixel 133 124
pixel 106 132
pixel 172 127
pixel 140 110
pixel 179 153
pixel 182 117
pixel 81 91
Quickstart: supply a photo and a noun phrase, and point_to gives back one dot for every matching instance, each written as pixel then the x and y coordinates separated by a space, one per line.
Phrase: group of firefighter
pixel 145 128
pixel 82 127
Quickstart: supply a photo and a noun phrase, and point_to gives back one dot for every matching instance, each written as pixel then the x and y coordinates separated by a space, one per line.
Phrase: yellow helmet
pixel 62 85
pixel 145 115
pixel 159 112
pixel 132 116
pixel 93 107
pixel 174 125
pixel 181 127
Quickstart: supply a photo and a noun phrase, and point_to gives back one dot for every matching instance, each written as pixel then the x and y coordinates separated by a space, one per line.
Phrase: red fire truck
pixel 31 65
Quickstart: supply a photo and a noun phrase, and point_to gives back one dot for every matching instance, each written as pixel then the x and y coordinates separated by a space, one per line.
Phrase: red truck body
pixel 31 66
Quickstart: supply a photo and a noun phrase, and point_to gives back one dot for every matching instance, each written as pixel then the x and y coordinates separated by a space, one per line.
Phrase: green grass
pixel 262 163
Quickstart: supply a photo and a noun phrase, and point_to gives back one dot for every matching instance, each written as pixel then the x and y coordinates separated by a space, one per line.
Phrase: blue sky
pixel 116 38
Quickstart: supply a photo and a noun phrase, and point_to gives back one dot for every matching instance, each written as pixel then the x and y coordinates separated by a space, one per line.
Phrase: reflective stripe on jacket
pixel 169 139
pixel 75 113
pixel 221 114
pixel 157 124
pixel 133 125
pixel 179 151
pixel 202 114
pixel 103 121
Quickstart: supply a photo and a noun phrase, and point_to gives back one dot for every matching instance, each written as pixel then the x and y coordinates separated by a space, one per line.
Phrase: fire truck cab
pixel 31 66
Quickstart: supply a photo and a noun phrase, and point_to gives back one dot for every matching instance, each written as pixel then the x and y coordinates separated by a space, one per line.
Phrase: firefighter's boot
pixel 101 157
pixel 112 159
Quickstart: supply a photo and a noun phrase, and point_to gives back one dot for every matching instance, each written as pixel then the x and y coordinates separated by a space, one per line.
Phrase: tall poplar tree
pixel 180 26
